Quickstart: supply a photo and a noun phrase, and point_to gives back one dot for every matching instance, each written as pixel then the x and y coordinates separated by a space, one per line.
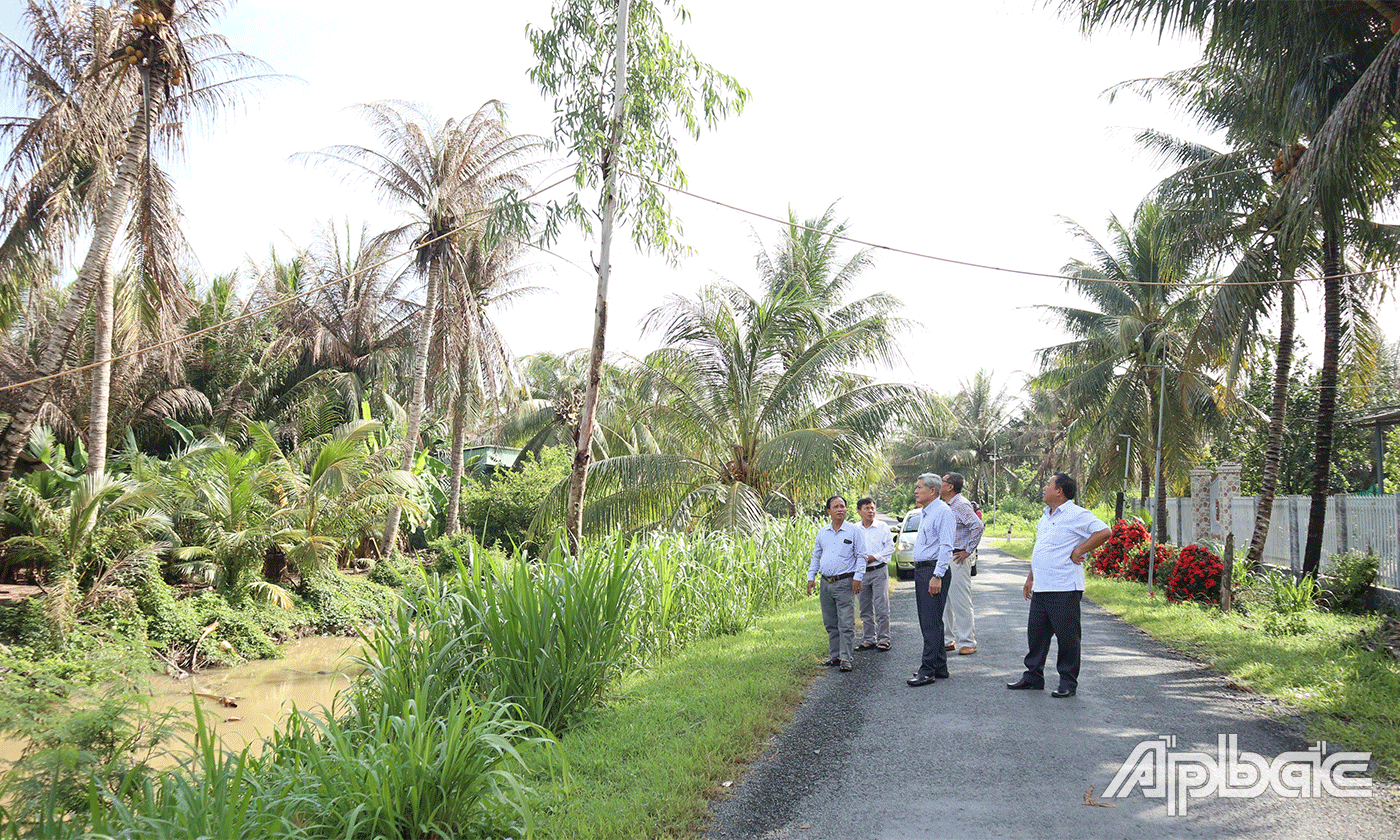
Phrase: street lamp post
pixel 1127 459
pixel 1157 476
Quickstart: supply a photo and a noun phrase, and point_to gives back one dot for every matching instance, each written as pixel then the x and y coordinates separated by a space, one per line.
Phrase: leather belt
pixel 874 567
pixel 834 578
pixel 924 564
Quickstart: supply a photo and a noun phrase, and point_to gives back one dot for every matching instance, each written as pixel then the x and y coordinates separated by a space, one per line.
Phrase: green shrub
pixel 498 509
pixel 1285 624
pixel 339 605
pixel 24 624
pixel 1348 584
pixel 1284 595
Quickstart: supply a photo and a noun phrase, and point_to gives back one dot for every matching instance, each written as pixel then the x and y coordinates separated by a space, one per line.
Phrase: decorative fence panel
pixel 1357 523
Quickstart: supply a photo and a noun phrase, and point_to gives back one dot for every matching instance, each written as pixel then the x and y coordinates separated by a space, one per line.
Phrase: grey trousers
pixel 959 621
pixel 875 606
pixel 839 616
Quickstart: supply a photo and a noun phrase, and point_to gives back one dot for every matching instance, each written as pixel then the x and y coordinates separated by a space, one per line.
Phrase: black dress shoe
pixel 918 680
pixel 1062 692
pixel 1024 684
pixel 941 675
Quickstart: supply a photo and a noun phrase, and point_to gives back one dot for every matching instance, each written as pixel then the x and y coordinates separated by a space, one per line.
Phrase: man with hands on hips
pixel 1055 585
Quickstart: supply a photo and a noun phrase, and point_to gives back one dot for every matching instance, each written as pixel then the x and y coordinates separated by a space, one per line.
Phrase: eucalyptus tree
pixel 1120 352
pixel 92 67
pixel 748 430
pixel 625 150
pixel 446 177
pixel 1332 74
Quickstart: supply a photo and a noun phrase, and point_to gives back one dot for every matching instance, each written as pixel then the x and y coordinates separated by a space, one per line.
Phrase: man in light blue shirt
pixel 1055 586
pixel 933 555
pixel 839 557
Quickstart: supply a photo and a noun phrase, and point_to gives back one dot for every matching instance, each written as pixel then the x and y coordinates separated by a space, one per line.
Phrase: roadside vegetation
pixel 547 553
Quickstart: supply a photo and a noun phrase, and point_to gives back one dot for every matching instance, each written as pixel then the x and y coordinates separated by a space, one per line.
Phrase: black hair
pixel 1066 484
pixel 832 499
pixel 865 500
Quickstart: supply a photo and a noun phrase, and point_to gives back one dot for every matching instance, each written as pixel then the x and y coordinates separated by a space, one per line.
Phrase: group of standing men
pixel 949 531
pixel 948 535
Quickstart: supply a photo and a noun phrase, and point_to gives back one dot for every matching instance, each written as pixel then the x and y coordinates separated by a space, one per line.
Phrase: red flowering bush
pixel 1196 576
pixel 1107 559
pixel 1140 557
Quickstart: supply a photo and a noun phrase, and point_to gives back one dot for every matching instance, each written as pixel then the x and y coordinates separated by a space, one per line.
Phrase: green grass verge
pixel 1345 693
pixel 1020 549
pixel 646 765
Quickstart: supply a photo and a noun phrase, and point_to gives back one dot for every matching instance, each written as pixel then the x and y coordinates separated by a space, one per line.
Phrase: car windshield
pixel 911 522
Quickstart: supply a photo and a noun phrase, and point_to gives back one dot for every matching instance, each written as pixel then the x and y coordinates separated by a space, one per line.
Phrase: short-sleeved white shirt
pixel 1059 531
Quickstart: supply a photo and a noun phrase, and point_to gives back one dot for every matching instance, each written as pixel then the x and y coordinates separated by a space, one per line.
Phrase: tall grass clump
pixel 695 586
pixel 424 769
pixel 554 632
pixel 550 634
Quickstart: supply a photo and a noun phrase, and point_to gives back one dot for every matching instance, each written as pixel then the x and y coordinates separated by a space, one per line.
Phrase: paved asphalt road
pixel 869 757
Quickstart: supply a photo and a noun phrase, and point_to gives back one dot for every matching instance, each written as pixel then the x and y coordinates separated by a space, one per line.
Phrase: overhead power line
pixel 984 266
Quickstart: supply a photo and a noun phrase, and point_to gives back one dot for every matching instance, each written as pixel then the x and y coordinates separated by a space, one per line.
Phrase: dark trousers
pixel 1054 614
pixel 935 658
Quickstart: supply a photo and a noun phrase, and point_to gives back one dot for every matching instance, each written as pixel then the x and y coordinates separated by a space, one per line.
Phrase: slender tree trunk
pixel 573 512
pixel 418 401
pixel 1282 368
pixel 459 435
pixel 60 341
pixel 99 397
pixel 1327 395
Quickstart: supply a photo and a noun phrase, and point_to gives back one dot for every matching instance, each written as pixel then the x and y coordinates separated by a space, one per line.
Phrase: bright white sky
pixel 962 128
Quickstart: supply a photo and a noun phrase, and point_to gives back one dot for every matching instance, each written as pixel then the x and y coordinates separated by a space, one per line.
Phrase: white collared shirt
pixel 838 552
pixel 1060 530
pixel 877 542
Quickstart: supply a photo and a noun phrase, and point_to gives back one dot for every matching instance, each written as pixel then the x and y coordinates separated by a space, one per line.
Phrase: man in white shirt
pixel 839 557
pixel 1055 586
pixel 875 587
pixel 959 621
pixel 932 554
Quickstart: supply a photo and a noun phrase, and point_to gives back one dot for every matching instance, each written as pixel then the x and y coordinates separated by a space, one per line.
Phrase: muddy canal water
pixel 309 674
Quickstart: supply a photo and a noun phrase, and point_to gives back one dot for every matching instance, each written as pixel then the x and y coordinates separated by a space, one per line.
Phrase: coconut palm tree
pixel 446 177
pixel 1112 368
pixel 974 425
pixel 748 429
pixel 469 353
pixel 92 67
pixel 1330 75
pixel 1227 204
pixel 807 267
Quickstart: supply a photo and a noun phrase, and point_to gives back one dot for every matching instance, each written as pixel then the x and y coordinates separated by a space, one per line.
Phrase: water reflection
pixel 309 674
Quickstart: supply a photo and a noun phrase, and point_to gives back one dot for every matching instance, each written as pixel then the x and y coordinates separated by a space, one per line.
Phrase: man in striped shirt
pixel 959 622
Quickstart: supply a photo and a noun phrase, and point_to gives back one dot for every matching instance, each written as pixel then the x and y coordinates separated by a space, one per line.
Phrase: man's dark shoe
pixel 830 663
pixel 1024 684
pixel 941 675
pixel 1062 692
pixel 919 679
